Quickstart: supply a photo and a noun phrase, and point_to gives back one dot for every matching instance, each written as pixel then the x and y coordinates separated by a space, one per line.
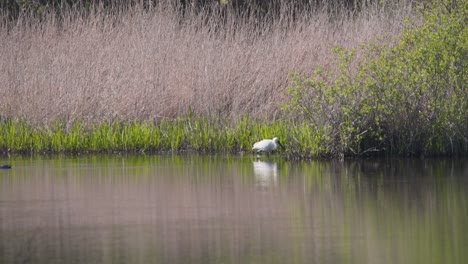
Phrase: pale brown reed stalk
pixel 148 65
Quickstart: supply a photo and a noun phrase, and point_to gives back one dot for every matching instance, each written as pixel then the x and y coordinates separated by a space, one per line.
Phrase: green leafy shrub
pixel 410 98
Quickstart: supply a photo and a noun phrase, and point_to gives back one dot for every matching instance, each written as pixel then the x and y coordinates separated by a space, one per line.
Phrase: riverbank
pixel 301 141
pixel 94 84
pixel 184 134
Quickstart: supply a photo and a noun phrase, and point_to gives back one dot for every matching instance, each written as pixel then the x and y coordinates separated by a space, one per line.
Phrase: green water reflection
pixel 232 209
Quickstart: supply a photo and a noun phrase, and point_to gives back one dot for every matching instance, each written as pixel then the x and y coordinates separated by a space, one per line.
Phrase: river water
pixel 232 209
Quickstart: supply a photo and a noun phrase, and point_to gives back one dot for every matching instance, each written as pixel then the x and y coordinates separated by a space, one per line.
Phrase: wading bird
pixel 267 146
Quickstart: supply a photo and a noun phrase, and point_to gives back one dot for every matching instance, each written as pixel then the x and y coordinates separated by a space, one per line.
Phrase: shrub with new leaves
pixel 409 98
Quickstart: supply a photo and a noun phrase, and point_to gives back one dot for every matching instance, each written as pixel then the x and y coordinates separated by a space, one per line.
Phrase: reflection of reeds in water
pixel 180 212
pixel 176 210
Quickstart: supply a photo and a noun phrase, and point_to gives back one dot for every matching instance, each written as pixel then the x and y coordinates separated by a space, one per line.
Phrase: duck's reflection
pixel 266 173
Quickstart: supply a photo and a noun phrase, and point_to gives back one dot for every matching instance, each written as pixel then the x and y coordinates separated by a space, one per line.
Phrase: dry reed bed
pixel 149 65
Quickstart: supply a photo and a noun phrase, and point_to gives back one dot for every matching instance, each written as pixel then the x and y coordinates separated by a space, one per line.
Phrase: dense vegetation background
pixel 259 6
pixel 332 78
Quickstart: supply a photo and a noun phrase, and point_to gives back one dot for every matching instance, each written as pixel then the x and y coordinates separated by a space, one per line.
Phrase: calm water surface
pixel 232 209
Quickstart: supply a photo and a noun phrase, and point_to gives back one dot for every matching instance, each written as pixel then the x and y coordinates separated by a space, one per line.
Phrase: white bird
pixel 267 145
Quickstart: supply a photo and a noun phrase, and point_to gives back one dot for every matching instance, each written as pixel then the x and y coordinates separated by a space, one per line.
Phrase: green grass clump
pixel 184 134
pixel 407 99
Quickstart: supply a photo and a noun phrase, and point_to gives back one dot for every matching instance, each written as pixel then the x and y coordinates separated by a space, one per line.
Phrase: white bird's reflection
pixel 266 173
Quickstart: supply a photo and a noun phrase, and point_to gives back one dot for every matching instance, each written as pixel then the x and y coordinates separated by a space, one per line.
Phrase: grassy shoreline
pixel 203 135
pixel 184 134
pixel 144 81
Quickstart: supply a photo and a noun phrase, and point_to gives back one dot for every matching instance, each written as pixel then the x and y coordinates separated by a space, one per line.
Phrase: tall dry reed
pixel 148 65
